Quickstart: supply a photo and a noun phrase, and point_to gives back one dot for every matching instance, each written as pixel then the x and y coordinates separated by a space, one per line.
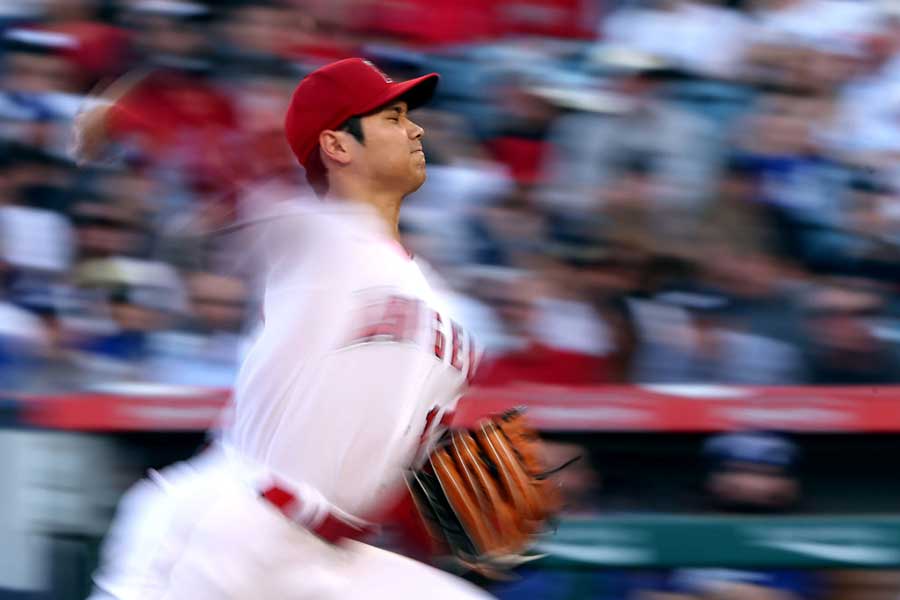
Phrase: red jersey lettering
pixel 473 358
pixel 455 357
pixel 439 338
pixel 394 320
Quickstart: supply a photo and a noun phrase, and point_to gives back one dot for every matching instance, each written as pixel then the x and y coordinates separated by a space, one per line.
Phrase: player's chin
pixel 418 176
pixel 418 167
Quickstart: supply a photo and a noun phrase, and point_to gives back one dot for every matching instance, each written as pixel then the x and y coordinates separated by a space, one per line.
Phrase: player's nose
pixel 415 131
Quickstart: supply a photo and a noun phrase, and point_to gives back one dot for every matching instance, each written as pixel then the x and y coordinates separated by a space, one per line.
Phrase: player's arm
pixel 97 121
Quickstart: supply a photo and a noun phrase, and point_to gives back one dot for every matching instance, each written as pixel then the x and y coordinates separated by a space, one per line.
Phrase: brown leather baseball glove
pixel 484 494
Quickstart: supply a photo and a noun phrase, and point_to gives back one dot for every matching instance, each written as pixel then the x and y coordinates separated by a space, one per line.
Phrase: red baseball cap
pixel 330 95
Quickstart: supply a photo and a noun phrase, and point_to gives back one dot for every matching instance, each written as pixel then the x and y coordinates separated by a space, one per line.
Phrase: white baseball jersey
pixel 349 377
pixel 356 365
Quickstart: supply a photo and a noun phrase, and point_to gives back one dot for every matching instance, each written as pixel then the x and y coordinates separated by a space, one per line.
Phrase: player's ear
pixel 335 145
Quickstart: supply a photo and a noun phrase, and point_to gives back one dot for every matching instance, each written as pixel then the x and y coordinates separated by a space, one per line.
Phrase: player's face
pixel 392 152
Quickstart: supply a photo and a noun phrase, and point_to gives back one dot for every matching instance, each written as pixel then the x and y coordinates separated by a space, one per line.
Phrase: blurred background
pixel 675 224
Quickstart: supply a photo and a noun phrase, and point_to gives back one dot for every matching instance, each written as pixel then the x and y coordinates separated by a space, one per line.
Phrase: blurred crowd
pixel 628 191
pixel 636 191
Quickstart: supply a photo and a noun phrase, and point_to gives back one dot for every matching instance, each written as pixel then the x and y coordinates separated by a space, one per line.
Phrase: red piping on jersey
pixel 401 249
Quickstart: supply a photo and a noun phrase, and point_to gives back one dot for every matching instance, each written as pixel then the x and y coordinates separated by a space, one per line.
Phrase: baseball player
pixel 346 386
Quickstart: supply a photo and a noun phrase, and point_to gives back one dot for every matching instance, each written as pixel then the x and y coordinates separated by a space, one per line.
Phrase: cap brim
pixel 419 91
pixel 415 92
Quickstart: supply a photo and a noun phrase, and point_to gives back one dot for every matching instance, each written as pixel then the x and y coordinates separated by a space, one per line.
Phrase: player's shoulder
pixel 338 244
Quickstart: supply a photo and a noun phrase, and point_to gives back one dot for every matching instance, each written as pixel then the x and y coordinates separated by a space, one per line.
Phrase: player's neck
pixel 386 205
pixel 388 210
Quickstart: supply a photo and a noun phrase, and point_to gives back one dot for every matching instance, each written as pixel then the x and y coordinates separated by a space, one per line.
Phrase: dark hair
pixel 353 126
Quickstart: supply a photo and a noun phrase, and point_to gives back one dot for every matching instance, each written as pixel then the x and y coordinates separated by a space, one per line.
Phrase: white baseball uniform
pixel 344 387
